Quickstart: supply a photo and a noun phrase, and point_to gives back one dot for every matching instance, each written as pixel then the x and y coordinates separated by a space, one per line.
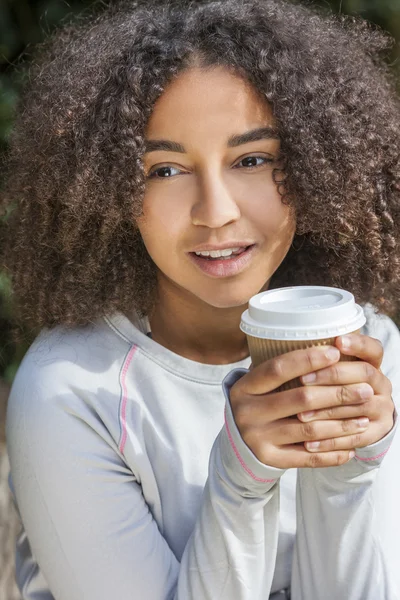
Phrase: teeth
pixel 218 253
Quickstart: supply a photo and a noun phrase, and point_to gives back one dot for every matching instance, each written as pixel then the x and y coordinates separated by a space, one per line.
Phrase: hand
pixel 268 421
pixel 377 405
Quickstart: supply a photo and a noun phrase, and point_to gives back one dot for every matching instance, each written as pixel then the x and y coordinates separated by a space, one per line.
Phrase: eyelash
pixel 152 173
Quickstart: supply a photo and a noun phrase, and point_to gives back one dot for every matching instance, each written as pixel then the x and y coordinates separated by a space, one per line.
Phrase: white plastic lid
pixel 302 313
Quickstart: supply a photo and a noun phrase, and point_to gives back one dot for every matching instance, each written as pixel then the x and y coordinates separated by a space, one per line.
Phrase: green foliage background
pixel 23 23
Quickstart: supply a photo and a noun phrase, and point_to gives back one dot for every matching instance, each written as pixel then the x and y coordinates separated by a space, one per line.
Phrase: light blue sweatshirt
pixel 132 484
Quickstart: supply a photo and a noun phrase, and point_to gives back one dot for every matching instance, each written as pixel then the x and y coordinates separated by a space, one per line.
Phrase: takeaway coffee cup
pixel 285 319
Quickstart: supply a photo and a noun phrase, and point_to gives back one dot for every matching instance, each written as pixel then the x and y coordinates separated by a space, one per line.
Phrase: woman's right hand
pixel 267 420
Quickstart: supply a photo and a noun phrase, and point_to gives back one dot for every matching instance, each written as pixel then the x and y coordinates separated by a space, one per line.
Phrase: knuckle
pixel 342 395
pixel 270 456
pixel 305 397
pixel 335 373
pixel 341 459
pixel 312 359
pixel 251 439
pixel 330 412
pixel 332 444
pixel 361 391
pixel 383 384
pixel 379 346
pixel 284 463
pixel 315 461
pixel 235 394
pixel 241 414
pixel 277 367
pixel 368 409
pixel 347 425
pixel 387 426
pixel 308 430
pixel 369 371
pixel 356 440
pixel 284 431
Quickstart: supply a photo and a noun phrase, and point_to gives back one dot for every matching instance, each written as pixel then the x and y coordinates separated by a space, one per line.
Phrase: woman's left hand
pixel 377 404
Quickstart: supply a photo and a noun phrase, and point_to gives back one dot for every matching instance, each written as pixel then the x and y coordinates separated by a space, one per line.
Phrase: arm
pixel 338 553
pixel 232 551
pixel 347 517
pixel 90 529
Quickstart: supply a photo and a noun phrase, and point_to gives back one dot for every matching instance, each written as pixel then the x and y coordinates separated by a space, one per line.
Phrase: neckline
pixel 135 333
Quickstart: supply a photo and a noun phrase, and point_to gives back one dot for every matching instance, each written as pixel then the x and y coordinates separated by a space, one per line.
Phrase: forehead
pixel 208 99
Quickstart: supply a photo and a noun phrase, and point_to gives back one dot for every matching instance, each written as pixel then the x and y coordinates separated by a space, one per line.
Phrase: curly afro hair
pixel 76 180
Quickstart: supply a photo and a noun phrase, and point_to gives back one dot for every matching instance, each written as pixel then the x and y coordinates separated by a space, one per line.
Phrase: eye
pixel 163 172
pixel 252 162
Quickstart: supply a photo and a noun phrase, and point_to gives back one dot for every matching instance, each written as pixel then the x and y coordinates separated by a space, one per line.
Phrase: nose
pixel 215 205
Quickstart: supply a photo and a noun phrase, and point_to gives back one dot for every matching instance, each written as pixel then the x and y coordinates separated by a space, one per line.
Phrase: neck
pixel 193 329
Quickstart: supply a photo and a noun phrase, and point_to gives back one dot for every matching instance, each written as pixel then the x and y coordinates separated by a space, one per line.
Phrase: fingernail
pixel 307 415
pixel 365 391
pixel 363 422
pixel 313 445
pixel 346 342
pixel 332 354
pixel 309 378
pixel 352 454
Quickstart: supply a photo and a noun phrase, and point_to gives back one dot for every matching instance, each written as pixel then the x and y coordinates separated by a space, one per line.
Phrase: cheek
pixel 264 207
pixel 163 220
pixel 277 222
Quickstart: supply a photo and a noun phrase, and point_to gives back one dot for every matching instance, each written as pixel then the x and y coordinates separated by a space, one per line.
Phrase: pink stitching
pixel 373 457
pixel 240 459
pixel 125 368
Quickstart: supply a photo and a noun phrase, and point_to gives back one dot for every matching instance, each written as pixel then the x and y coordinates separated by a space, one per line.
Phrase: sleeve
pixel 91 531
pixel 348 521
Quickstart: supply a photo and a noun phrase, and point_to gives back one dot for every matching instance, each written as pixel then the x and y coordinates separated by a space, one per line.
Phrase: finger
pixel 363 347
pixel 349 372
pixel 298 457
pixel 348 442
pixel 293 431
pixel 372 434
pixel 272 373
pixel 303 401
pixel 349 401
pixel 341 412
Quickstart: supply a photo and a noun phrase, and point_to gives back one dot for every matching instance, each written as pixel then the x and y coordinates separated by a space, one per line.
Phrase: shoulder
pixel 63 355
pixel 68 375
pixel 381 327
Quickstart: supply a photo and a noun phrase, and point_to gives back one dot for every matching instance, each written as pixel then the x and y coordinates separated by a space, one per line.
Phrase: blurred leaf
pixel 10 371
pixel 25 22
pixel 9 41
pixel 8 99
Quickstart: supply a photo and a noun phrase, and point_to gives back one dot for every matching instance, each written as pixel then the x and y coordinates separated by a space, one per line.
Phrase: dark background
pixel 24 23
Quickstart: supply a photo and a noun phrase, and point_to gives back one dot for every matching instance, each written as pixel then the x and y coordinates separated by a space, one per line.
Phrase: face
pixel 213 221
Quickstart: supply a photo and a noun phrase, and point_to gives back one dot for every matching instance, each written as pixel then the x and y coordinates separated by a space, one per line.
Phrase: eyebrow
pixel 254 135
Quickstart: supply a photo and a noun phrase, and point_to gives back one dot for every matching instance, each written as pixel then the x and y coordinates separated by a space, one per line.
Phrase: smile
pixel 216 254
pixel 223 263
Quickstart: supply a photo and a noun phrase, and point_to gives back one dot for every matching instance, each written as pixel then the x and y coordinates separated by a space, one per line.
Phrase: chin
pixel 228 301
pixel 233 295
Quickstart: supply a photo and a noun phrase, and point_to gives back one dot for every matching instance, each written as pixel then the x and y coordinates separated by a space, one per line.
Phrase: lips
pixel 236 253
pixel 227 266
pixel 224 246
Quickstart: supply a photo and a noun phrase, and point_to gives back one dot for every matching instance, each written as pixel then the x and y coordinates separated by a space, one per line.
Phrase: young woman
pixel 171 160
